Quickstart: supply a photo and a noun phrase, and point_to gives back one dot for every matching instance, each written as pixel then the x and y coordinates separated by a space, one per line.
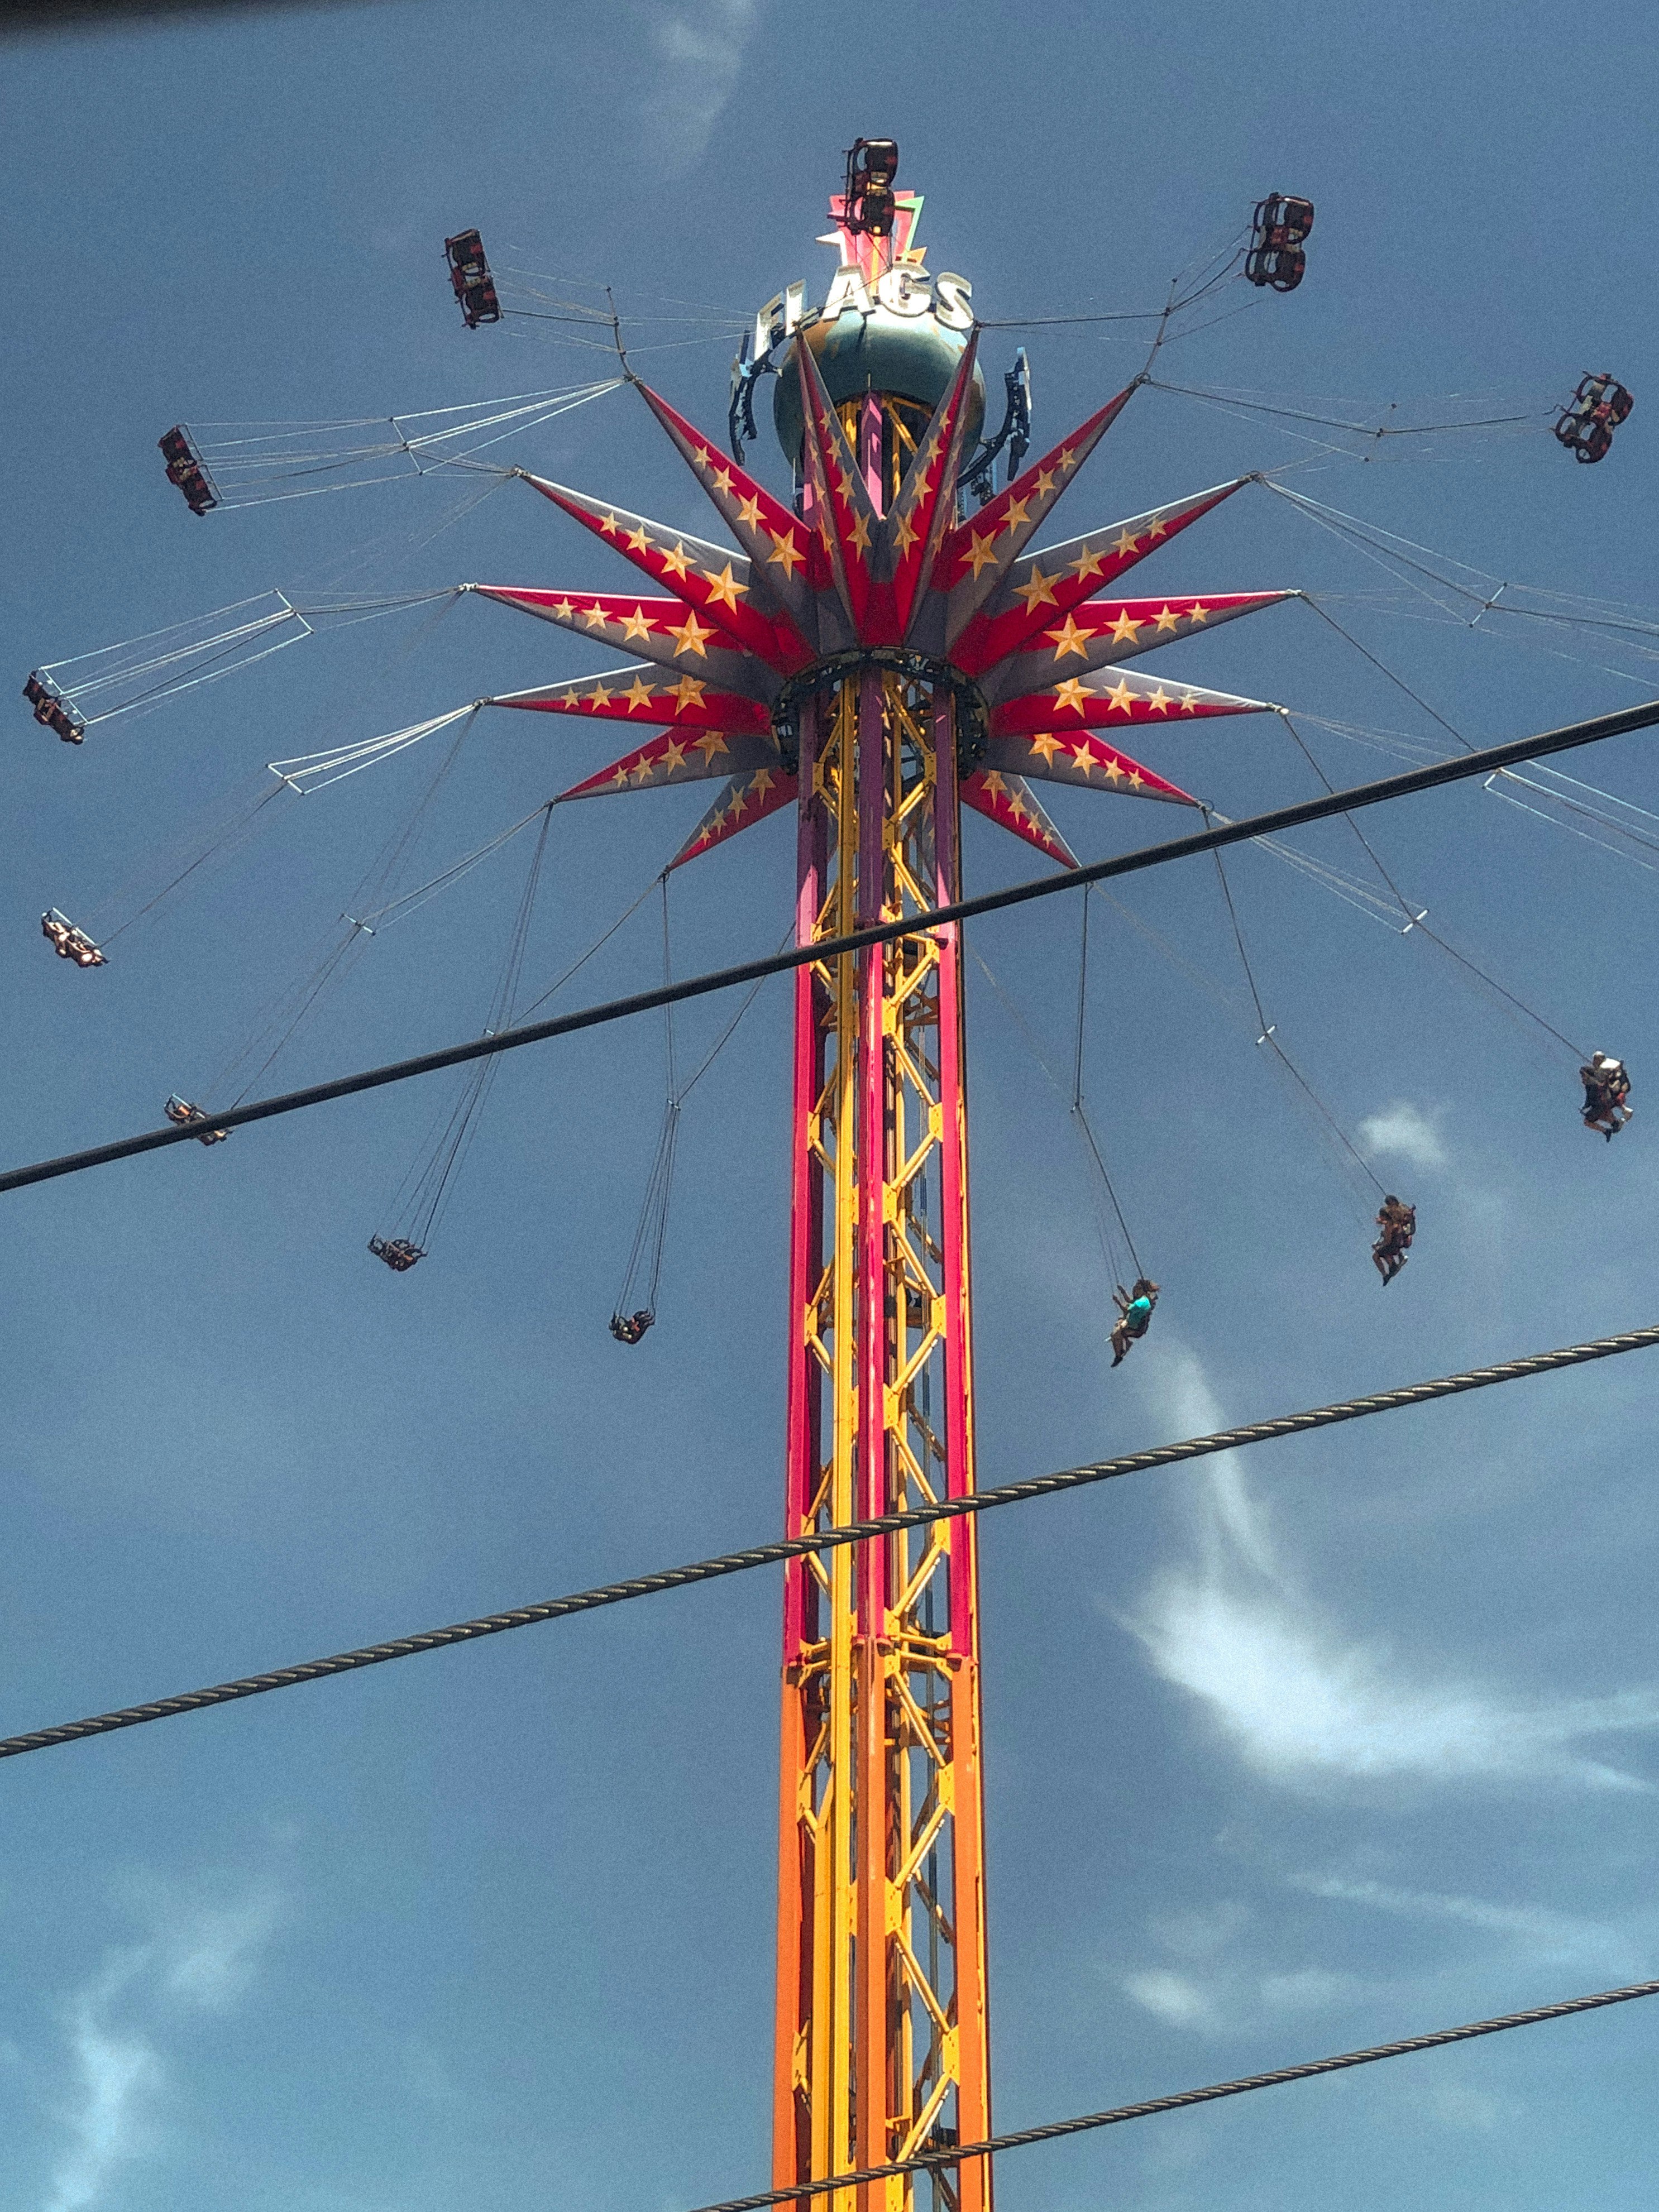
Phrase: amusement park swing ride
pixel 884 651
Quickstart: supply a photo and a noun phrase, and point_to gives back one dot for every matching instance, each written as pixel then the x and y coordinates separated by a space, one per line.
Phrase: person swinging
pixel 1134 1313
pixel 1396 1224
pixel 1606 1094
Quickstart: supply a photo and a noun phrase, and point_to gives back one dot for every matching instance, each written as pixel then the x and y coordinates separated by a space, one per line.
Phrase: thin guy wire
pixel 1436 2040
pixel 857 1532
pixel 1430 778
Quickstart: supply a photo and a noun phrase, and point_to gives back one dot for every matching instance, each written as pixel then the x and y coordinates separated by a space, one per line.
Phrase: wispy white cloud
pixel 1227 1996
pixel 699 45
pixel 1301 1699
pixel 195 1960
pixel 1402 1132
pixel 1546 1938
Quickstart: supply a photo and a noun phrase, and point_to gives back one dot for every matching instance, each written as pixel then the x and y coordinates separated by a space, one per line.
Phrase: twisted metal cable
pixel 794 1547
pixel 1459 769
pixel 1436 2040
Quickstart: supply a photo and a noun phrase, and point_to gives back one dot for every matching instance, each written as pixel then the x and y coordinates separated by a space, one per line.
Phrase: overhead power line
pixel 1436 2040
pixel 794 1547
pixel 1460 770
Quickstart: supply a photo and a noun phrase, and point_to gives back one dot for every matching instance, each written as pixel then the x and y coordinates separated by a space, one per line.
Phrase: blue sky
pixel 1353 1738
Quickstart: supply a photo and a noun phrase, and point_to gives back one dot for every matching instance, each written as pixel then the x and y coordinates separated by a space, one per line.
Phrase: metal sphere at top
pixel 912 356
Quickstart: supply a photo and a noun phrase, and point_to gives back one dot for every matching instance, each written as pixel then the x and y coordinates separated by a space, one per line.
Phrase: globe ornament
pixel 912 357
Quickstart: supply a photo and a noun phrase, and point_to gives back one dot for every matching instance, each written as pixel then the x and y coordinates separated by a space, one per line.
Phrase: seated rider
pixel 1135 1312
pixel 1396 1224
pixel 1606 1094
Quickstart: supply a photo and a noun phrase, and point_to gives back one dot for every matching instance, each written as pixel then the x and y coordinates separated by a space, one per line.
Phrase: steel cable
pixel 1431 778
pixel 793 1547
pixel 1436 2040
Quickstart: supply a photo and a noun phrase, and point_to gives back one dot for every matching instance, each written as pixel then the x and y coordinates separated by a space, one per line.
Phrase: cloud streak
pixel 699 46
pixel 195 1961
pixel 1302 1702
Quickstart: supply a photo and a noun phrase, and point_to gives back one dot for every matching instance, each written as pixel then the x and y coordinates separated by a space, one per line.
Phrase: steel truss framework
pixel 881 2016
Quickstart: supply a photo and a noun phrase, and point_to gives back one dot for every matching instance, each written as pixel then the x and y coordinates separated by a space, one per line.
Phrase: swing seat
pixel 181 1112
pixel 185 468
pixel 53 710
pixel 68 942
pixel 469 273
pixel 1275 260
pixel 1586 424
pixel 629 1328
pixel 398 1252
pixel 870 205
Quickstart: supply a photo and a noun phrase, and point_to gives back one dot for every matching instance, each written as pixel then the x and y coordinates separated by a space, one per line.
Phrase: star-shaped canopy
pixel 1037 635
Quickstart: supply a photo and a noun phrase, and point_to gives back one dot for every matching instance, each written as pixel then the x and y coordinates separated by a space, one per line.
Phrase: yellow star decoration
pixel 619 781
pixel 722 482
pixel 905 531
pixel 689 636
pixel 1016 516
pixel 638 624
pixel 1017 811
pixel 1167 623
pixel 748 512
pixel 1125 630
pixel 1068 638
pixel 1190 703
pixel 676 563
pixel 1159 701
pixel 672 756
pixel 1047 745
pixel 608 523
pixel 979 551
pixel 1120 695
pixel 598 698
pixel 1088 563
pixel 1045 482
pixel 1136 779
pixel 640 540
pixel 689 691
pixel 1198 612
pixel 561 610
pixel 1125 544
pixel 1114 768
pixel 786 552
pixel 1084 754
pixel 1067 459
pixel 638 696
pixel 1071 694
pixel 595 616
pixel 710 743
pixel 724 589
pixel 995 785
pixel 1037 591
pixel 762 781
pixel 1157 528
pixel 859 535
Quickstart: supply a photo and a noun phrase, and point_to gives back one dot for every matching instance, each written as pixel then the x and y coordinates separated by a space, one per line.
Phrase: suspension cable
pixel 1080 1112
pixel 1268 1035
pixel 1431 778
pixel 856 1532
pixel 938 2161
